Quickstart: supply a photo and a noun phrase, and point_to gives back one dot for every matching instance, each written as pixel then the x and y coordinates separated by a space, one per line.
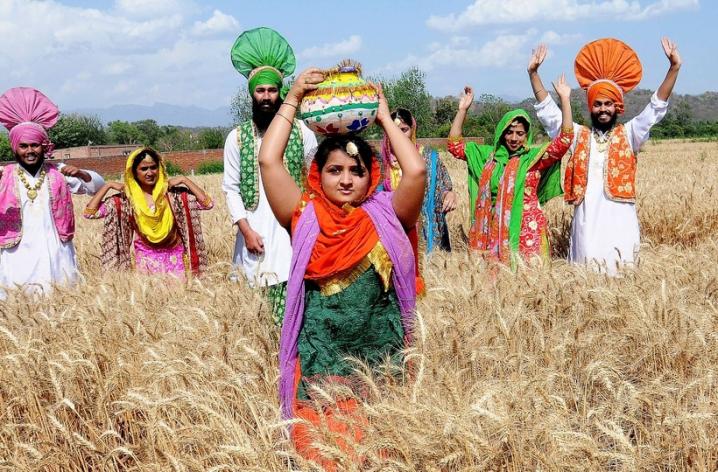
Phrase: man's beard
pixel 603 127
pixel 32 168
pixel 262 115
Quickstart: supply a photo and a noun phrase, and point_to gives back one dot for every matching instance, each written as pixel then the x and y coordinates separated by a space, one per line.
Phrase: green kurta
pixel 361 321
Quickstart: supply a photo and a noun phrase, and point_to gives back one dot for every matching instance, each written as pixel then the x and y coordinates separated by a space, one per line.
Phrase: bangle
pixel 290 104
pixel 90 211
pixel 567 129
pixel 288 120
pixel 539 91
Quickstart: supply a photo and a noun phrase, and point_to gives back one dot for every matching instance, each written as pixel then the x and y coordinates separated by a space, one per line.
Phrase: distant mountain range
pixel 163 114
pixel 703 107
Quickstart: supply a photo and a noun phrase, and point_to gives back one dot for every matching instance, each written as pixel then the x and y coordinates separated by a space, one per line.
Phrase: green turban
pixel 263 56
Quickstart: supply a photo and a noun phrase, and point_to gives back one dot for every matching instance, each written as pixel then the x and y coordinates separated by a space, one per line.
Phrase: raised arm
pixel 81 181
pixel 537 57
pixel 409 195
pixel 674 58
pixel 282 192
pixel 457 126
pixel 455 144
pixel 96 201
pixel 547 111
pixel 204 200
pixel 563 90
pixel 561 143
pixel 657 108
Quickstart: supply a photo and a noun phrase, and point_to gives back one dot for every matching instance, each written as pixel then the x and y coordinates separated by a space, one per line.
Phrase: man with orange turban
pixel 600 176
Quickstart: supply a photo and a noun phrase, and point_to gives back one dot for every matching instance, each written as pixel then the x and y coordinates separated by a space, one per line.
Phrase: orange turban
pixel 607 68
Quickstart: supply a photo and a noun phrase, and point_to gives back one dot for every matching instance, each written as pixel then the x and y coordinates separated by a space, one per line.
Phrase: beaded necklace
pixel 31 190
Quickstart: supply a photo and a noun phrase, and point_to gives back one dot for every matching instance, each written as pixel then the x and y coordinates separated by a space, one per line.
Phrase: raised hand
pixel 72 171
pixel 467 99
pixel 562 88
pixel 670 48
pixel 308 80
pixel 382 114
pixel 119 186
pixel 537 57
pixel 177 180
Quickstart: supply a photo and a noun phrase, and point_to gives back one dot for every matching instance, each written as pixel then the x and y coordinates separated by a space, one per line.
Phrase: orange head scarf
pixel 347 233
pixel 607 68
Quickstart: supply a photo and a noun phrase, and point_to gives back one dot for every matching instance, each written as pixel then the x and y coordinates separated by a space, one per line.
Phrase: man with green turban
pixel 262 248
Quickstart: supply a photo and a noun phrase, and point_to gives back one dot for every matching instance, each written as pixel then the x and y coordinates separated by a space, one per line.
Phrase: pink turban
pixel 28 114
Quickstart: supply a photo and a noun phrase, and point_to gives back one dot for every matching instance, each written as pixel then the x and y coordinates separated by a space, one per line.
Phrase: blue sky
pixel 100 53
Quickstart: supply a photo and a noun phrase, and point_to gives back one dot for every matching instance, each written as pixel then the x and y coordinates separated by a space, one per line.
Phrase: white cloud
pixel 499 52
pixel 486 12
pixel 342 48
pixel 90 57
pixel 150 8
pixel 218 23
pixel 552 37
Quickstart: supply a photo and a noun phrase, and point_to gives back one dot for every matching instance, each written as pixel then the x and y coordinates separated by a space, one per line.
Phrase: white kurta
pixel 272 267
pixel 41 259
pixel 604 233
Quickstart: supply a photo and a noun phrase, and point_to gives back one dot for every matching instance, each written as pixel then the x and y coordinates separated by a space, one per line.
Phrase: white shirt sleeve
pixel 550 116
pixel 231 176
pixel 640 126
pixel 310 144
pixel 79 186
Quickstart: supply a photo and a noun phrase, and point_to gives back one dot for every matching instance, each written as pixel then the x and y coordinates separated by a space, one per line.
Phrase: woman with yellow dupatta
pixel 155 216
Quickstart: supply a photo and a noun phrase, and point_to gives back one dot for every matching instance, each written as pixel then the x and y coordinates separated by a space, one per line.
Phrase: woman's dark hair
pixel 333 143
pixel 141 156
pixel 404 115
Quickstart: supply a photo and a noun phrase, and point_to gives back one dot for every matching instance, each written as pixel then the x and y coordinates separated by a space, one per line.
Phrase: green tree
pixel 78 130
pixel 173 139
pixel 445 111
pixel 5 149
pixel 577 111
pixel 149 130
pixel 241 106
pixel 409 91
pixel 211 138
pixel 122 132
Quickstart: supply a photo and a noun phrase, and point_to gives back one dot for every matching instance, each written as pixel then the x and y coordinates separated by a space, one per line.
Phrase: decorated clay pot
pixel 343 103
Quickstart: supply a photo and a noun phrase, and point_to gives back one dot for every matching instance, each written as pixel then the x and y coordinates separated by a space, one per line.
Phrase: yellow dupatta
pixel 154 225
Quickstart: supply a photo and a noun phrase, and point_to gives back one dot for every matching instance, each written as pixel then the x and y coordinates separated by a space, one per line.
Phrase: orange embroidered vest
pixel 619 170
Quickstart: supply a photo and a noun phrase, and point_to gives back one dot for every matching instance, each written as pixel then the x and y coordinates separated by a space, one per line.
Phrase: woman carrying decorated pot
pixel 510 180
pixel 351 290
pixel 152 224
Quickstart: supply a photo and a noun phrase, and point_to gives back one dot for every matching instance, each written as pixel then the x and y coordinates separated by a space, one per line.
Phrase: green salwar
pixel 277 295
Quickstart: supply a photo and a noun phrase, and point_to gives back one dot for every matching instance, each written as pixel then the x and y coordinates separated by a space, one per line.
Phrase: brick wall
pixel 115 165
pixel 190 160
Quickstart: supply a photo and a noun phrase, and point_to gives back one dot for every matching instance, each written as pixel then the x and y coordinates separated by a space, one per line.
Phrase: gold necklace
pixel 31 191
pixel 602 139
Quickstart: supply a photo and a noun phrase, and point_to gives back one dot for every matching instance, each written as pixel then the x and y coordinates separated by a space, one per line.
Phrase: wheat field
pixel 546 369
